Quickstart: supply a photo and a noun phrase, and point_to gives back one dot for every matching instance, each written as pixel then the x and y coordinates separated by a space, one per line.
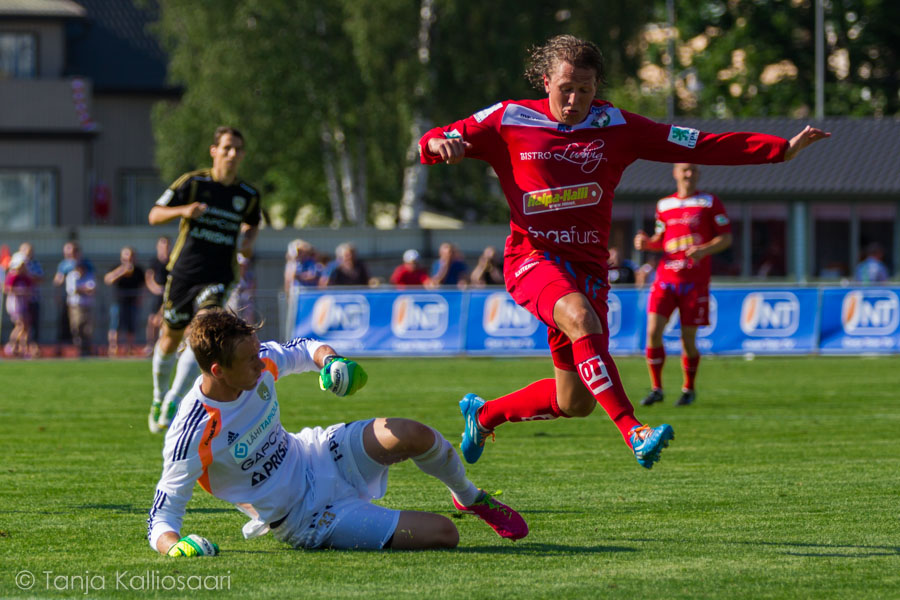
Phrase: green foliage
pixel 781 483
pixel 760 57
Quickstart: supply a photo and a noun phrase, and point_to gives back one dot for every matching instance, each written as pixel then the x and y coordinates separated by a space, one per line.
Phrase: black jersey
pixel 206 248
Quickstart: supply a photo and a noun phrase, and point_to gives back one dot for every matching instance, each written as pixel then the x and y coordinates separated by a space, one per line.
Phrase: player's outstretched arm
pixel 808 136
pixel 190 545
pixel 339 375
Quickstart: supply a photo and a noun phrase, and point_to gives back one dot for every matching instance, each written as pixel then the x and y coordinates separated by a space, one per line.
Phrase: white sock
pixel 185 374
pixel 162 371
pixel 442 462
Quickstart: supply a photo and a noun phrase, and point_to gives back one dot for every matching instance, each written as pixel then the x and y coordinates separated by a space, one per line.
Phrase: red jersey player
pixel 690 227
pixel 558 161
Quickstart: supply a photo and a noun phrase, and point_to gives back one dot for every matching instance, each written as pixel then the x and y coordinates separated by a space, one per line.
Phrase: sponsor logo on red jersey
pixel 561 198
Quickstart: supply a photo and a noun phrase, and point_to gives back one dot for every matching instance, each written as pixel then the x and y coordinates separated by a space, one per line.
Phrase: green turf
pixel 782 482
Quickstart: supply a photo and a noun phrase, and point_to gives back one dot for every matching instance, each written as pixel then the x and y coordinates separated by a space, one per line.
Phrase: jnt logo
pixel 870 312
pixel 345 316
pixel 614 316
pixel 770 314
pixel 502 316
pixel 419 316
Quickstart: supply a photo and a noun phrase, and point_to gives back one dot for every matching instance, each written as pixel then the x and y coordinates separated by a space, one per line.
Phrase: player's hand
pixel 195 209
pixel 803 139
pixel 640 240
pixel 193 545
pixel 451 150
pixel 342 376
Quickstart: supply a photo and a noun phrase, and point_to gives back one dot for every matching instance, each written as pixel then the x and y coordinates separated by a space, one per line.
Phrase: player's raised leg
pixel 388 441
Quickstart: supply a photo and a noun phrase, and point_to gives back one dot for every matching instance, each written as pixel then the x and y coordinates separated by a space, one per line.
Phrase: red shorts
pixel 690 298
pixel 537 280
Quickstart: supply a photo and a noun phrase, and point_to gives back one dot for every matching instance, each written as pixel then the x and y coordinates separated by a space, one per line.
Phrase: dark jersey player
pixel 690 227
pixel 558 160
pixel 218 212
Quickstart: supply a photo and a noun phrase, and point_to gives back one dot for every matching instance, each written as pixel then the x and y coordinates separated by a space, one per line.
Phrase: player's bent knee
pixel 404 435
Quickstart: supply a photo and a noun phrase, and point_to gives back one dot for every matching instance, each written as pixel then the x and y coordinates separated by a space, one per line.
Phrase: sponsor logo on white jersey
pixel 255 436
pixel 418 316
pixel 345 316
pixel 561 198
pixel 614 314
pixel 683 136
pixel 503 317
pixel 770 314
pixel 483 114
pixel 870 312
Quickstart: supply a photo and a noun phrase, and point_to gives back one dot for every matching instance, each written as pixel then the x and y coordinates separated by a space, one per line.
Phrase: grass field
pixel 783 482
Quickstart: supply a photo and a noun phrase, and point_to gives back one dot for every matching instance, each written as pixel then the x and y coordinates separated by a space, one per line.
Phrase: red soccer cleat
pixel 502 519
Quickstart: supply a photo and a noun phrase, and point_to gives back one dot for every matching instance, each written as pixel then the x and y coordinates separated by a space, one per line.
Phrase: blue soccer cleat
pixel 474 435
pixel 648 442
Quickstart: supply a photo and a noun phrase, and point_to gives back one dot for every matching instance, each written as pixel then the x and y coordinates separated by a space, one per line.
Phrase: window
pixel 832 229
pixel 139 192
pixel 768 240
pixel 27 199
pixel 18 53
pixel 876 232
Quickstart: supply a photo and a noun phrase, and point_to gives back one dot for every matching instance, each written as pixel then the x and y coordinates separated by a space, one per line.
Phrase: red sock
pixel 656 358
pixel 536 402
pixel 598 372
pixel 689 365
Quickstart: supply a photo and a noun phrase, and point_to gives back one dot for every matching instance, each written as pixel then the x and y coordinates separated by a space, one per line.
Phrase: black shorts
pixel 183 299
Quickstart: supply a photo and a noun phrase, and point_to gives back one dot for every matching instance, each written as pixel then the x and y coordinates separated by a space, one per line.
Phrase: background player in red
pixel 558 160
pixel 690 227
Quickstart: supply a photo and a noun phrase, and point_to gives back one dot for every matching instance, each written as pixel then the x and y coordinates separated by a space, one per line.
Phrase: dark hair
pixel 222 130
pixel 214 336
pixel 562 48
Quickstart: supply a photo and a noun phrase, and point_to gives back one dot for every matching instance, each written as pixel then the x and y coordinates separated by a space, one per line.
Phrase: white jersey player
pixel 311 489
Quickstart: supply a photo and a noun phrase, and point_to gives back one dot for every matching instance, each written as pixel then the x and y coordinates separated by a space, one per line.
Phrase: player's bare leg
pixel 389 441
pixel 690 360
pixel 656 356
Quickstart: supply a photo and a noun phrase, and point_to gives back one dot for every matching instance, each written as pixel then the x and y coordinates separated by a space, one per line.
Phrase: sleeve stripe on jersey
pixel 158 502
pixel 190 428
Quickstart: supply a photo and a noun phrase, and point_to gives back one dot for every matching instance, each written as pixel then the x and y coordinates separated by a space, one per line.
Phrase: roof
pixel 114 47
pixel 861 157
pixel 40 9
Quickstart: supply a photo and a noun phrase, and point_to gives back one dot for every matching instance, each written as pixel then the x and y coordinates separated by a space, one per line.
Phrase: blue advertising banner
pixel 741 321
pixel 389 322
pixel 488 322
pixel 860 320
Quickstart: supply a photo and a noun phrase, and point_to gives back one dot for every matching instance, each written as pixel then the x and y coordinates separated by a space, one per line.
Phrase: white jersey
pixel 238 451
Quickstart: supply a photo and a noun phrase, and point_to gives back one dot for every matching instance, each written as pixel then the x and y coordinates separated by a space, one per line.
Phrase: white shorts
pixel 336 512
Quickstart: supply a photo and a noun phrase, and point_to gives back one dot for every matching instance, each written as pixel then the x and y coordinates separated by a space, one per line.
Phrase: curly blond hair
pixel 562 48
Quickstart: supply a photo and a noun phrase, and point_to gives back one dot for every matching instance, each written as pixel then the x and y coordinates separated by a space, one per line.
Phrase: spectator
pixel 619 271
pixel 71 256
pixel 128 280
pixel 449 269
pixel 241 300
pixel 410 272
pixel 18 288
pixel 346 269
pixel 36 273
pixel 488 270
pixel 80 288
pixel 155 279
pixel 302 268
pixel 872 269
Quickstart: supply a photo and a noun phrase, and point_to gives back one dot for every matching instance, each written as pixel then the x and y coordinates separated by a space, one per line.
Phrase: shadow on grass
pixel 142 510
pixel 814 550
pixel 542 549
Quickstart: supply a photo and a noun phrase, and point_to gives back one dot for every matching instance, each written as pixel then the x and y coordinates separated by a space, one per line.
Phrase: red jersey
pixel 686 222
pixel 402 277
pixel 559 180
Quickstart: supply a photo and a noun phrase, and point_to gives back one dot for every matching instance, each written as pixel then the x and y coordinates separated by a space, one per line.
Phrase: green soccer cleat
pixel 153 418
pixel 167 413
